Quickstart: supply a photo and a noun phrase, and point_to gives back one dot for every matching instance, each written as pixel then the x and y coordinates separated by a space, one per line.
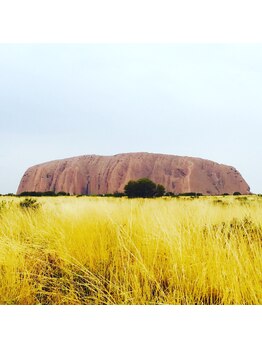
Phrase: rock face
pixel 92 174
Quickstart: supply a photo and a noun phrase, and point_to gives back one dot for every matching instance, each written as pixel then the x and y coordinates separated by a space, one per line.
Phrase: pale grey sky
pixel 64 100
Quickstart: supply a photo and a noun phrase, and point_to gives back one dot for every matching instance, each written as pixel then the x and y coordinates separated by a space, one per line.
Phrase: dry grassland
pixel 91 250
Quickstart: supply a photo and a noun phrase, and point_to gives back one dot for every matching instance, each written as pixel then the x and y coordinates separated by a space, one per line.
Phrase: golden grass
pixel 90 250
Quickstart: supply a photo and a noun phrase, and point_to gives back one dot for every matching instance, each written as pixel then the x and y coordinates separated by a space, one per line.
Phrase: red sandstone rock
pixel 93 174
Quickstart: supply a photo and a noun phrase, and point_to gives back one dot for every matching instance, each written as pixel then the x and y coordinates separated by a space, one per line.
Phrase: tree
pixel 143 188
pixel 160 190
pixel 131 189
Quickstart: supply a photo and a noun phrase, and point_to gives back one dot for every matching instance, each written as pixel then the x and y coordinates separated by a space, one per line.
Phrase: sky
pixel 64 100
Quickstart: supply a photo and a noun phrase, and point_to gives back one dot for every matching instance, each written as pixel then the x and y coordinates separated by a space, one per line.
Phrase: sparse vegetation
pixel 95 250
pixel 192 194
pixel 45 193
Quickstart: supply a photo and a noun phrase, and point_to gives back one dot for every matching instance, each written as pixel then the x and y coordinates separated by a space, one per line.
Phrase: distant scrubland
pixel 95 250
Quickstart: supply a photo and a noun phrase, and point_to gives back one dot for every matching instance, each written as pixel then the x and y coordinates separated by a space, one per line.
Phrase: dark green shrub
pixel 47 193
pixel 169 193
pixel 44 193
pixel 160 190
pixel 143 188
pixel 29 204
pixel 62 193
pixel 192 194
pixel 118 195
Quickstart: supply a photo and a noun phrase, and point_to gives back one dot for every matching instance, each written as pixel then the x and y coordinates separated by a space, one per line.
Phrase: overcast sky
pixel 202 100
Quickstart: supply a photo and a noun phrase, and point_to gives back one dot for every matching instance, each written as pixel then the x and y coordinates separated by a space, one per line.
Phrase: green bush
pixel 160 190
pixel 44 193
pixel 169 193
pixel 29 204
pixel 118 195
pixel 192 194
pixel 143 188
pixel 62 193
